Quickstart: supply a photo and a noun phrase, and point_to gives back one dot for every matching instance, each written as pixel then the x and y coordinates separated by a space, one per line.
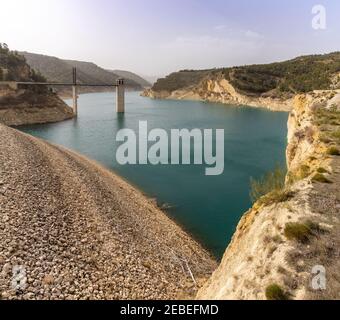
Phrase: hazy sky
pixel 155 37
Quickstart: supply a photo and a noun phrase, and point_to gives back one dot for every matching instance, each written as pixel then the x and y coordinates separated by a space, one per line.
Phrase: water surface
pixel 207 207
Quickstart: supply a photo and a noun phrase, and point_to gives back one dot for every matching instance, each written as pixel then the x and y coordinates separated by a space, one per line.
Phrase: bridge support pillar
pixel 75 100
pixel 120 96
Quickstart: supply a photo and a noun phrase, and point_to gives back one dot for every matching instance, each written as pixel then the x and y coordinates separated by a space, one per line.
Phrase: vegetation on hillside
pixel 269 186
pixel 302 232
pixel 180 80
pixel 275 292
pixel 13 67
pixel 300 75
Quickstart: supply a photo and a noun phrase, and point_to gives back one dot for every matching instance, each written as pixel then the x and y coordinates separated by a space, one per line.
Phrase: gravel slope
pixel 77 231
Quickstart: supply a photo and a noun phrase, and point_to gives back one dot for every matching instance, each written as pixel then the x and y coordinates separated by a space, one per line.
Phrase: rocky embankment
pixel 221 91
pixel 290 239
pixel 30 106
pixel 71 229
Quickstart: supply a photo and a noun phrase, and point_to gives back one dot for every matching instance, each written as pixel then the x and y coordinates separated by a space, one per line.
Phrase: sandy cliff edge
pixel 260 254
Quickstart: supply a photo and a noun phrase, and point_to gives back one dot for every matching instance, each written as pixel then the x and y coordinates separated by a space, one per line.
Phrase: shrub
pixel 321 178
pixel 276 196
pixel 301 232
pixel 322 170
pixel 333 151
pixel 274 292
pixel 303 172
pixel 277 239
pixel 313 226
pixel 294 176
pixel 272 182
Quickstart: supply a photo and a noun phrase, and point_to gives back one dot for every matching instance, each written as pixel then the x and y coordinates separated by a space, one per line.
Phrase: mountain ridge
pixel 271 85
pixel 55 69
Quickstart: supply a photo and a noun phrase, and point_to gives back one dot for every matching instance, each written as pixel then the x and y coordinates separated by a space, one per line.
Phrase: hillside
pixel 26 105
pixel 13 67
pixel 272 85
pixel 58 70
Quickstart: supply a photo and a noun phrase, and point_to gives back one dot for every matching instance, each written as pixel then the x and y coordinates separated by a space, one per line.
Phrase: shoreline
pixel 136 189
pixel 123 228
pixel 268 105
pixel 227 104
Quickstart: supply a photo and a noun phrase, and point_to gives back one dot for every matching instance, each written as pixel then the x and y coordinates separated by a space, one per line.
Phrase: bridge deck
pixel 65 84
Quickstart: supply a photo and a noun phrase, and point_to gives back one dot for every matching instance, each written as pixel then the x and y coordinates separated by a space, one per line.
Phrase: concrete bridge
pixel 119 85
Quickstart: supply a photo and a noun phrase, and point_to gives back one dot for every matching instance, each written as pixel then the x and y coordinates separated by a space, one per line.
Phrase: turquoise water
pixel 209 207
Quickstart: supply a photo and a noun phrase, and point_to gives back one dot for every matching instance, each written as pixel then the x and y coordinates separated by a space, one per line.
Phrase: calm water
pixel 208 207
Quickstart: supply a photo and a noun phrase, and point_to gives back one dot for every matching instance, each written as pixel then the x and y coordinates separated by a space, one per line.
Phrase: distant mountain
pixel 58 70
pixel 152 78
pixel 132 76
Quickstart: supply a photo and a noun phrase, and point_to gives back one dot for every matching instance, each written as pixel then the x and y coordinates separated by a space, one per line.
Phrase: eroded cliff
pixel 221 90
pixel 31 106
pixel 293 232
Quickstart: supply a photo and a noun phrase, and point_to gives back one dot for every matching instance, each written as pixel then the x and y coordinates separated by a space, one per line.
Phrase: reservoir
pixel 208 207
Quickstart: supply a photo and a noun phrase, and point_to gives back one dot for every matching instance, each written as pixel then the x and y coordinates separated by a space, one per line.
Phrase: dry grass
pixel 301 232
pixel 276 196
pixel 272 182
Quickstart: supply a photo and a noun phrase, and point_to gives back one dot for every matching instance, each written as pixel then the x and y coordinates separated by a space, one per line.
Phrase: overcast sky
pixel 155 37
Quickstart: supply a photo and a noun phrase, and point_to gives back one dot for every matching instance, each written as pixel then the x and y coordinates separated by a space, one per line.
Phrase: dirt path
pixel 77 231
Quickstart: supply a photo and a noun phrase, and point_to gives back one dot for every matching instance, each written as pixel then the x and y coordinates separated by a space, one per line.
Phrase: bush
pixel 274 292
pixel 333 151
pixel 321 178
pixel 322 170
pixel 271 184
pixel 276 196
pixel 301 232
pixel 303 172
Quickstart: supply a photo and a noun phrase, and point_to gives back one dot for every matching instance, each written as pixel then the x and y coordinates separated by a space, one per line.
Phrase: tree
pixel 36 76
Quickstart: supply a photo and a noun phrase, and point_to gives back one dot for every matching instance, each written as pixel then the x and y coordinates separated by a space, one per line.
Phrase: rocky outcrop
pixel 293 232
pixel 31 106
pixel 220 90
